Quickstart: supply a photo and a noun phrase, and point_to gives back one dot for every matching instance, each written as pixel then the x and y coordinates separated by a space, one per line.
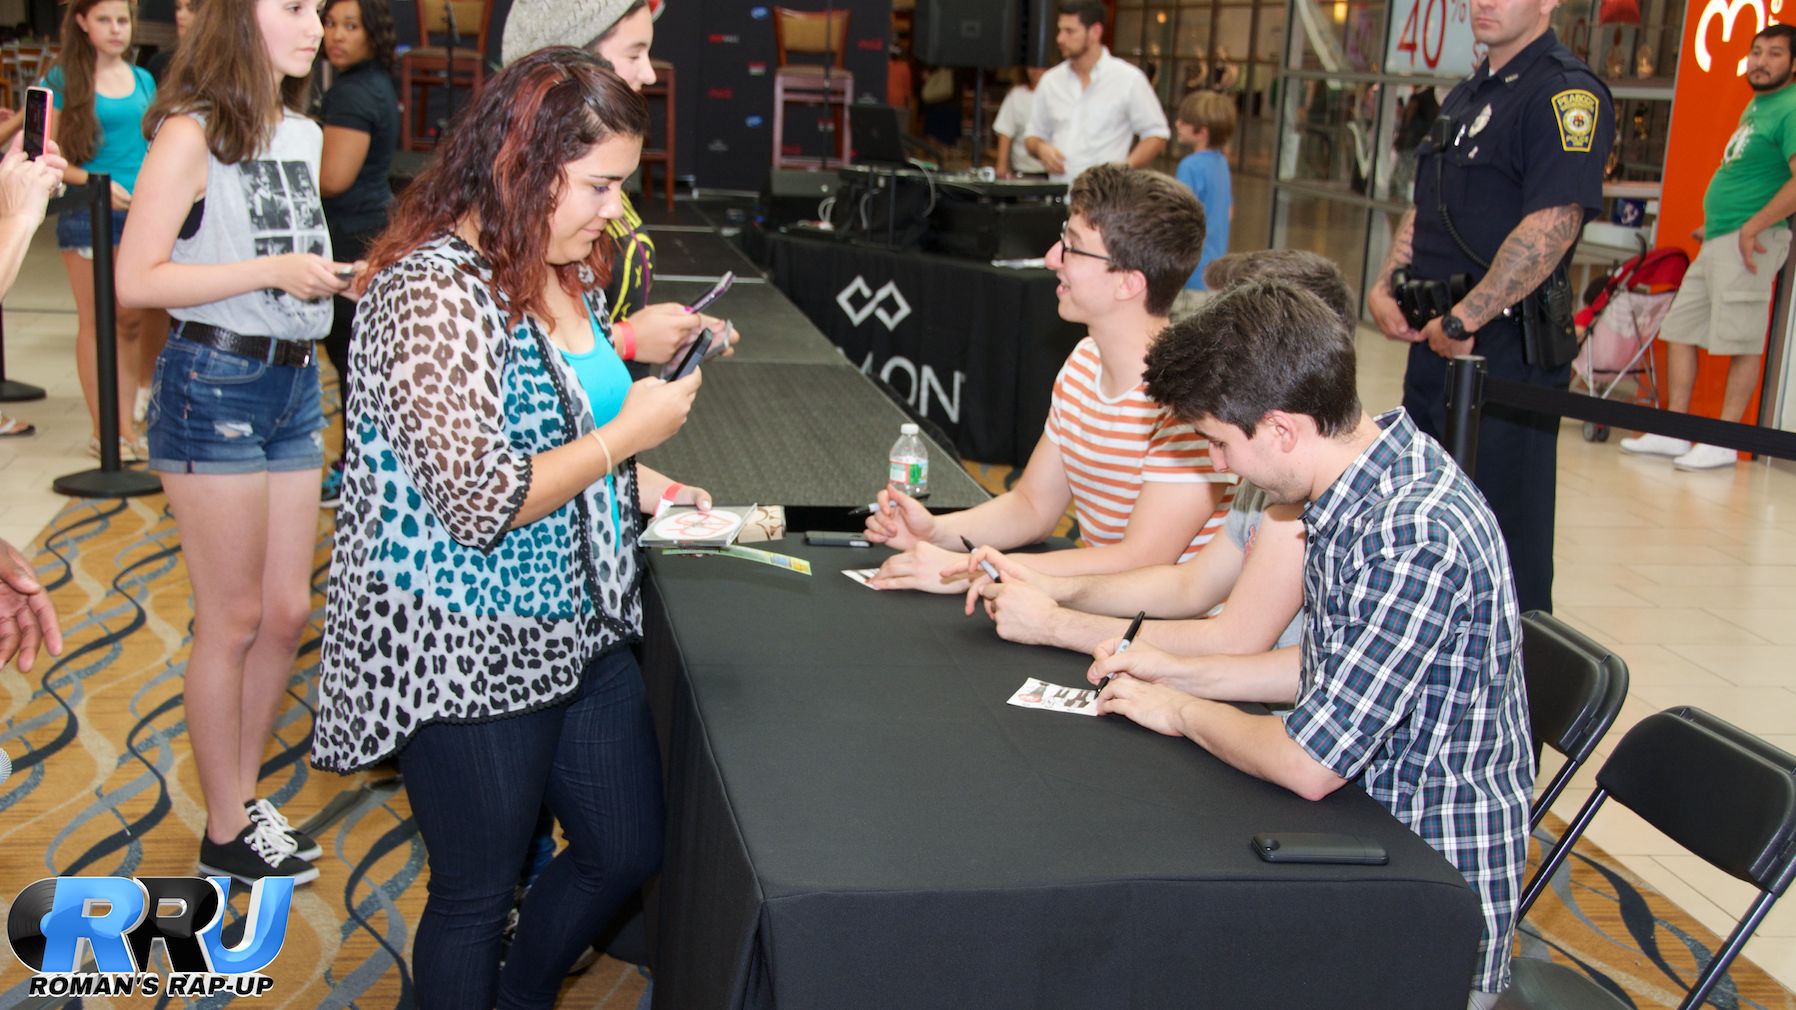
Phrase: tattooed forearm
pixel 1525 259
pixel 1401 248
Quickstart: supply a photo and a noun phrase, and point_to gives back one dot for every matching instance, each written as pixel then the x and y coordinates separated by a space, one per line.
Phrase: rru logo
pixel 120 919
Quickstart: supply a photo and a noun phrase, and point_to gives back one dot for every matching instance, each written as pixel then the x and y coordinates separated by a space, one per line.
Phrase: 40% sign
pixel 1435 36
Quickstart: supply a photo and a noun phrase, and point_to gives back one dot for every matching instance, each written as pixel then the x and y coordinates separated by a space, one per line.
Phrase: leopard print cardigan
pixel 437 611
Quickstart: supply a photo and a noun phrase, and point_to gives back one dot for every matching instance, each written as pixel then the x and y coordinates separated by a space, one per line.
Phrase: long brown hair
pixel 77 126
pixel 221 71
pixel 504 164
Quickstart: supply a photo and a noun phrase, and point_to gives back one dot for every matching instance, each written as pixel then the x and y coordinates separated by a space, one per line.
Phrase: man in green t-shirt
pixel 1724 304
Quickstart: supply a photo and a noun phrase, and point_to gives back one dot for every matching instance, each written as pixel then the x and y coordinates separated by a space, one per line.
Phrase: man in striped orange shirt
pixel 1139 480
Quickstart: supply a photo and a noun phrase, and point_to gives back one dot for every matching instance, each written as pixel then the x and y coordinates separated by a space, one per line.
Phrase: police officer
pixel 1514 166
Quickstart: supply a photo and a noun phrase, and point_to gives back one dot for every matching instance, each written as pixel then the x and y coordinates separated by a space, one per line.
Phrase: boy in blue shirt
pixel 1206 121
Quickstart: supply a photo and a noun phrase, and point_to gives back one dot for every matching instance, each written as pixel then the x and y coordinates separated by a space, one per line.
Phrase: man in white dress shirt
pixel 1089 108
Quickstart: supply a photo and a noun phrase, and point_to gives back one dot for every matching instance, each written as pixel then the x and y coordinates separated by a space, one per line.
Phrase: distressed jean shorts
pixel 75 232
pixel 216 412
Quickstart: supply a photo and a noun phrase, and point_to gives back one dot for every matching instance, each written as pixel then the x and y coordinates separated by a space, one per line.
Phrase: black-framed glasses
pixel 1066 246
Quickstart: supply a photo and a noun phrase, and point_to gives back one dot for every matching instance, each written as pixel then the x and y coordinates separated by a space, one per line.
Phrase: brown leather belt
pixel 291 353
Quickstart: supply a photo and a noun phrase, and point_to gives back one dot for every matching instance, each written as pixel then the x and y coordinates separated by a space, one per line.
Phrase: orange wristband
pixel 626 339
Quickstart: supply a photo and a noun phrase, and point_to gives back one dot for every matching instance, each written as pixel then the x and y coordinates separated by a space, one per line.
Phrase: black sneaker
pixel 258 851
pixel 263 812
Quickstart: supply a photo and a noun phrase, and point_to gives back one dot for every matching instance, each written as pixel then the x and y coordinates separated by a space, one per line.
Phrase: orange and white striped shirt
pixel 1109 447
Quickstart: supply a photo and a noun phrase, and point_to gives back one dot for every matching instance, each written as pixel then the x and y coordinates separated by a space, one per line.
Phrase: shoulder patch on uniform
pixel 1575 112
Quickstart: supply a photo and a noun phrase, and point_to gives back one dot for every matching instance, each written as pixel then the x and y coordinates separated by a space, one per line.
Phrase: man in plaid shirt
pixel 1408 681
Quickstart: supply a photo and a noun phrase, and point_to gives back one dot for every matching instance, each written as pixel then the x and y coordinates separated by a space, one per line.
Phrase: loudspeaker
pixel 968 33
pixel 795 196
pixel 1041 19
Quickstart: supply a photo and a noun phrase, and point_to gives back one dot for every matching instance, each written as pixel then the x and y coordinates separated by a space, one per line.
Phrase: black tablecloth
pixel 799 435
pixel 858 820
pixel 974 347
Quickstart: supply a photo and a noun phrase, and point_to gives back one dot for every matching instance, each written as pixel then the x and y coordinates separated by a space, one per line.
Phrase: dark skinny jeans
pixel 475 791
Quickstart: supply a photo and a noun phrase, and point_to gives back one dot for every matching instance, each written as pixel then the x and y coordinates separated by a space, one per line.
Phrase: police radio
pixel 1549 336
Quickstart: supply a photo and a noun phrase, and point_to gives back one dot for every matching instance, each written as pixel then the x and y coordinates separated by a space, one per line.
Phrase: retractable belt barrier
pixel 1470 389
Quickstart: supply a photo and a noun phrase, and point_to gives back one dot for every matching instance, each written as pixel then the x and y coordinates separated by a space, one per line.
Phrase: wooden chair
pixel 825 83
pixel 428 65
pixel 662 92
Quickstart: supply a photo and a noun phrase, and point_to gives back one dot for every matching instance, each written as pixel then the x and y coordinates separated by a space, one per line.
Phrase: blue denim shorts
pixel 216 412
pixel 75 231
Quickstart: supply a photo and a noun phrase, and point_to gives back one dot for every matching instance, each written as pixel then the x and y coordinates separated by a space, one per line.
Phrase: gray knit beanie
pixel 533 24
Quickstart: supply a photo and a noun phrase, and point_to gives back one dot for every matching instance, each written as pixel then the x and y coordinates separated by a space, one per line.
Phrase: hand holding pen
pixel 974 561
pixel 899 521
pixel 1122 646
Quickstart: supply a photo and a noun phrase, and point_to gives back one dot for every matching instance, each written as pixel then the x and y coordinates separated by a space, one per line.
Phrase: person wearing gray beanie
pixel 533 24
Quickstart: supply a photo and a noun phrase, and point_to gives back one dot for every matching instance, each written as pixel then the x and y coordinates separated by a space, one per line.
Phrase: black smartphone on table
pixel 1317 847
pixel 38 105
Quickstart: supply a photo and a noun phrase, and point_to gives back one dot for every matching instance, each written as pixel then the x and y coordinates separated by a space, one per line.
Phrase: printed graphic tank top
pixel 265 206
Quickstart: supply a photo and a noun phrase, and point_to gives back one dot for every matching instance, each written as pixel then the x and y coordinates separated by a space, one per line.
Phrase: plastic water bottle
pixel 910 463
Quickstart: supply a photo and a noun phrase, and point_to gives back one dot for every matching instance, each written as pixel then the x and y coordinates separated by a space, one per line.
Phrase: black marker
pixel 991 571
pixel 1123 646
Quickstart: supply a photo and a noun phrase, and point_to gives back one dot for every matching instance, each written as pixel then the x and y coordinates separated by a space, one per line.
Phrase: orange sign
pixel 1711 93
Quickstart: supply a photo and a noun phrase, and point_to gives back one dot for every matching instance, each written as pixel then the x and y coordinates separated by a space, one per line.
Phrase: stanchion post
pixel 105 321
pixel 1465 408
pixel 111 480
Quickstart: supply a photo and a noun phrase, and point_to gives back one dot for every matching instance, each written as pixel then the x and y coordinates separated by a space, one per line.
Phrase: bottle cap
pixel 907 429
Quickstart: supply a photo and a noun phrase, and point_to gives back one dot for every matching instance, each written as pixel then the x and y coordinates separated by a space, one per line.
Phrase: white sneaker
pixel 1655 445
pixel 1706 457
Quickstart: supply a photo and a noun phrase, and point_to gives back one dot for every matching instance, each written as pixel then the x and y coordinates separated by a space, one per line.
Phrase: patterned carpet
pixel 104 784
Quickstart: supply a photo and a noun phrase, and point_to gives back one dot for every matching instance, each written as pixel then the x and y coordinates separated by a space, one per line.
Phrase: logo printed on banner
pixel 924 382
pixel 757 68
pixel 753 122
pixel 1729 12
pixel 873 304
pixel 717 146
pixel 56 923
pixel 723 39
pixel 758 13
pixel 724 94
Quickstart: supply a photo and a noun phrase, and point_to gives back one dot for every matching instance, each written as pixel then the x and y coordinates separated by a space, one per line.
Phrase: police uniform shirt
pixel 1534 135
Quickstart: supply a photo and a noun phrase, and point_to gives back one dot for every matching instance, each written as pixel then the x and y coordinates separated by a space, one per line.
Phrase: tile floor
pixel 1686 575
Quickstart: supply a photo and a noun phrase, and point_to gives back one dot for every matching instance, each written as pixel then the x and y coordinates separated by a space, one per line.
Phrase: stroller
pixel 1619 324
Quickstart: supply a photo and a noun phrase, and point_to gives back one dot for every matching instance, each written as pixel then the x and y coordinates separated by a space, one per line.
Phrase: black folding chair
pixel 1718 791
pixel 1575 691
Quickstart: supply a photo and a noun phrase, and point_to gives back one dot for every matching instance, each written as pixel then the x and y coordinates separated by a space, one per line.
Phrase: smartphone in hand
pixel 38 105
pixel 694 355
pixel 717 290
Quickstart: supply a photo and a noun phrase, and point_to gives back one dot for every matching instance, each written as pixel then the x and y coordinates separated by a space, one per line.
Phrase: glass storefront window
pixel 1337 35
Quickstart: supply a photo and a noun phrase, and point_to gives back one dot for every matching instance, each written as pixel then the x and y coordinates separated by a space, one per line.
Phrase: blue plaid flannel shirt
pixel 1412 669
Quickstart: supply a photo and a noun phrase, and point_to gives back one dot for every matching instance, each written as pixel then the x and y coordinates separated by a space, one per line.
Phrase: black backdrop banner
pixel 724 56
pixel 974 348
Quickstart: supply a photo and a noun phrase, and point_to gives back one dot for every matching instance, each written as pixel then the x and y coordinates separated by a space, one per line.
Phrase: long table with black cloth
pixel 857 819
pixel 975 348
pixel 785 420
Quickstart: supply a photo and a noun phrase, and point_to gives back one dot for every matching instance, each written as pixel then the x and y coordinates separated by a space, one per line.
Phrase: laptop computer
pixel 878 139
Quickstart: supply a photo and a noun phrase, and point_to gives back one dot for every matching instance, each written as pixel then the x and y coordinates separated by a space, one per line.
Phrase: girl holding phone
pixel 229 236
pixel 100 100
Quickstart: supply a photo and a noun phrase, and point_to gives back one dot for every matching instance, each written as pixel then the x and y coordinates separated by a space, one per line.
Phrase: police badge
pixel 1575 112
